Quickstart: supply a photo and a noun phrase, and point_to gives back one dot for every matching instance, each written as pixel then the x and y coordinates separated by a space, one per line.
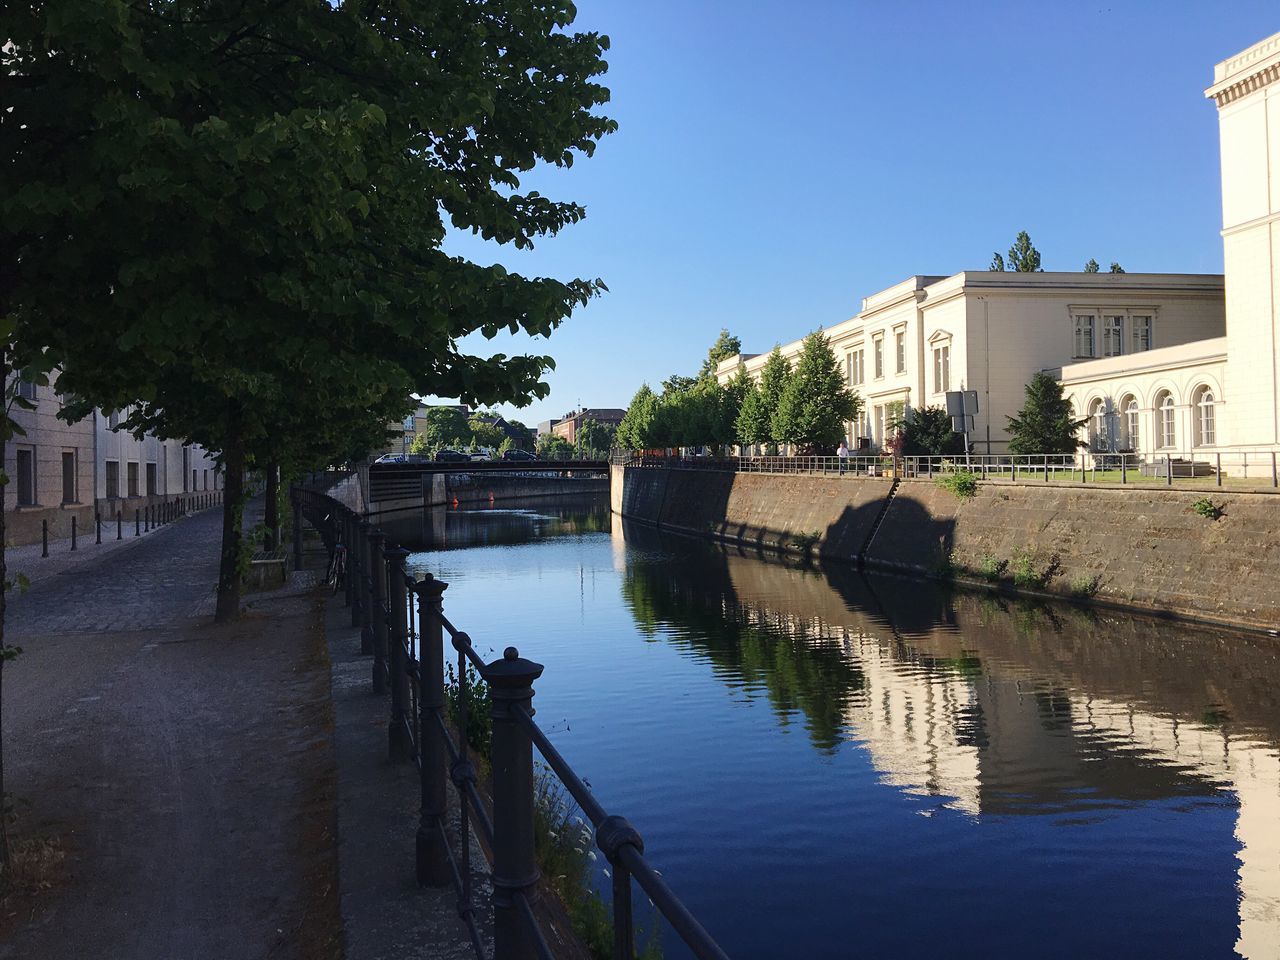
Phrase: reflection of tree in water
pixel 688 599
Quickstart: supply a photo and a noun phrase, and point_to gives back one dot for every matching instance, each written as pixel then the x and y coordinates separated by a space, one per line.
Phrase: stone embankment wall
pixel 1143 548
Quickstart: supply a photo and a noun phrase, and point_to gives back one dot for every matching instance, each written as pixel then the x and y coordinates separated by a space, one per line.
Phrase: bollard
pixel 431 847
pixel 146 518
pixel 378 618
pixel 364 586
pixel 137 522
pixel 1168 470
pixel 44 538
pixel 1219 468
pixel 119 525
pixel 97 526
pixel 515 864
pixel 73 531
pixel 1124 468
pixel 398 745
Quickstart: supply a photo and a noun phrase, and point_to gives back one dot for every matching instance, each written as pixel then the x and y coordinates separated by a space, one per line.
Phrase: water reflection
pixel 972 775
pixel 993 706
pixel 455 528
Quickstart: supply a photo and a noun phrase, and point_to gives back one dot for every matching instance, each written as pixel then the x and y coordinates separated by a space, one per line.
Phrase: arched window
pixel 1131 435
pixel 1098 426
pixel 1206 425
pixel 1165 417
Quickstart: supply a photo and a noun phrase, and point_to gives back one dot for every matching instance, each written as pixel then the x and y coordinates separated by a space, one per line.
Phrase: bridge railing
pixel 404 481
pixel 1237 468
pixel 403 628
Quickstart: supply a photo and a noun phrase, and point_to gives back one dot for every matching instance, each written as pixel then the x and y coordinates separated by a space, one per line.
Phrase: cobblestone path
pixel 185 768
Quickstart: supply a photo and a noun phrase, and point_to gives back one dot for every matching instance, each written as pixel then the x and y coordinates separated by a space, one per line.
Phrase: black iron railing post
pixel 515 864
pixel 73 531
pixel 44 538
pixel 297 530
pixel 97 526
pixel 611 835
pixel 398 746
pixel 362 587
pixel 432 860
pixel 377 611
pixel 119 525
pixel 348 538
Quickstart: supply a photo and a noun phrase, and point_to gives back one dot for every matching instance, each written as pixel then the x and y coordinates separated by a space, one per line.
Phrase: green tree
pixel 553 447
pixel 1091 266
pixel 726 346
pixel 636 430
pixel 760 401
pixel 816 403
pixel 1116 268
pixel 485 434
pixel 729 408
pixel 1046 422
pixel 1023 256
pixel 445 427
pixel 997 263
pixel 593 438
pixel 235 221
pixel 926 432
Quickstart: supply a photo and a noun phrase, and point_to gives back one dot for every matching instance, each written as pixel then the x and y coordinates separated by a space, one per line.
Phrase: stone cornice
pixel 1250 70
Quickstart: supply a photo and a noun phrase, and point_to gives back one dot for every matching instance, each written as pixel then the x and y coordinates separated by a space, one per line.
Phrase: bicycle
pixel 335 574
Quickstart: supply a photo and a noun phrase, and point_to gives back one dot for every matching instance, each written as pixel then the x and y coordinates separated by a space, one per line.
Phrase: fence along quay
pixel 402 627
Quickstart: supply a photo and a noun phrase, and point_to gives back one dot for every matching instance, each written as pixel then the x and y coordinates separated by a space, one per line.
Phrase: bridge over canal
pixel 401 486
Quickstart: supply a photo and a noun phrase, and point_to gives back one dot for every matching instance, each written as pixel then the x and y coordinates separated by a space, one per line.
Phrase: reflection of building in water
pixel 1047 720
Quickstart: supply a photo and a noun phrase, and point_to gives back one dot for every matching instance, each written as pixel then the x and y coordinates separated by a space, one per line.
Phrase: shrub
pixel 962 483
pixel 1086 586
pixel 1024 571
pixel 805 542
pixel 1207 508
pixel 990 568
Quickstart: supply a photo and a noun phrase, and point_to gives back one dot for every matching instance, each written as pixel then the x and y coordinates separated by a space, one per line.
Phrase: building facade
pixel 1220 397
pixel 567 426
pixel 990 332
pixel 89 469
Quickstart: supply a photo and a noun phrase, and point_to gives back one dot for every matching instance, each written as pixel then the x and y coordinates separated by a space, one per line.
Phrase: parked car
pixel 451 456
pixel 390 458
pixel 514 454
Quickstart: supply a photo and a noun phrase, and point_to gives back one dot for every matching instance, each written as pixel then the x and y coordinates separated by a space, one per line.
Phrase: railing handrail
pixel 403 644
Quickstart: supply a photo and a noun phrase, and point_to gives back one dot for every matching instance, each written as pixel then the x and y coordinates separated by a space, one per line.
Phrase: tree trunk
pixel 272 518
pixel 232 533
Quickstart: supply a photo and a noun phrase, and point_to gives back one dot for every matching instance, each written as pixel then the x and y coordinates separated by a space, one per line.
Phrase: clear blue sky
pixel 776 162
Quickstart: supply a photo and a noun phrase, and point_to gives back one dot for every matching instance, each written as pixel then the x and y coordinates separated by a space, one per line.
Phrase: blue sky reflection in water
pixel 826 765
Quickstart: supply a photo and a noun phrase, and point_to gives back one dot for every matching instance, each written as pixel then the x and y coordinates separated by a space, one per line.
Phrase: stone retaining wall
pixel 1138 547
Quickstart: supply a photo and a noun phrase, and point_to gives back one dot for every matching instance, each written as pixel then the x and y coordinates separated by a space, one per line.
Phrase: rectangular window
pixel 25 388
pixel 900 350
pixel 877 352
pixel 1084 335
pixel 858 361
pixel 151 480
pixel 186 465
pixel 113 419
pixel 69 477
pixel 1140 328
pixel 1112 335
pixel 194 487
pixel 113 479
pixel 26 477
pixel 942 368
pixel 133 478
pixel 206 479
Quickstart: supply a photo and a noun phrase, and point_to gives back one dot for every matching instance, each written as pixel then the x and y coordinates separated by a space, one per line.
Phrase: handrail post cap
pixel 512 672
pixel 429 588
pixel 395 554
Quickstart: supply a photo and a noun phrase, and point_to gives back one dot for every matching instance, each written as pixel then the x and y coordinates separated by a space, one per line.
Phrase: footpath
pixel 184 770
pixel 202 802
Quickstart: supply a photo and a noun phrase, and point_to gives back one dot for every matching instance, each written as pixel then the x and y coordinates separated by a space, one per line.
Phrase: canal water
pixel 827 765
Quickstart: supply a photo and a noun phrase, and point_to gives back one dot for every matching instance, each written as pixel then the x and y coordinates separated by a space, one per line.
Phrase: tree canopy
pixel 231 215
pixel 761 399
pixel 816 403
pixel 1046 422
pixel 926 432
pixel 1023 257
pixel 726 346
pixel 635 432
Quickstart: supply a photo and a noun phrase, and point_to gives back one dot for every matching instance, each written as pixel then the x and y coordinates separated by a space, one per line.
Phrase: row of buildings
pixel 1160 364
pixel 59 470
pixel 567 427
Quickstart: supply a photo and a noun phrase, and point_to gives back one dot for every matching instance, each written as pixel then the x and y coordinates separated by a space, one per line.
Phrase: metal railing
pixel 396 481
pixel 403 626
pixel 1230 467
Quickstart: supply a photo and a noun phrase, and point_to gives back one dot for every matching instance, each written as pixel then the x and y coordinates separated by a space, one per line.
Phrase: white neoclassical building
pixel 989 332
pixel 1219 395
pixel 1163 365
